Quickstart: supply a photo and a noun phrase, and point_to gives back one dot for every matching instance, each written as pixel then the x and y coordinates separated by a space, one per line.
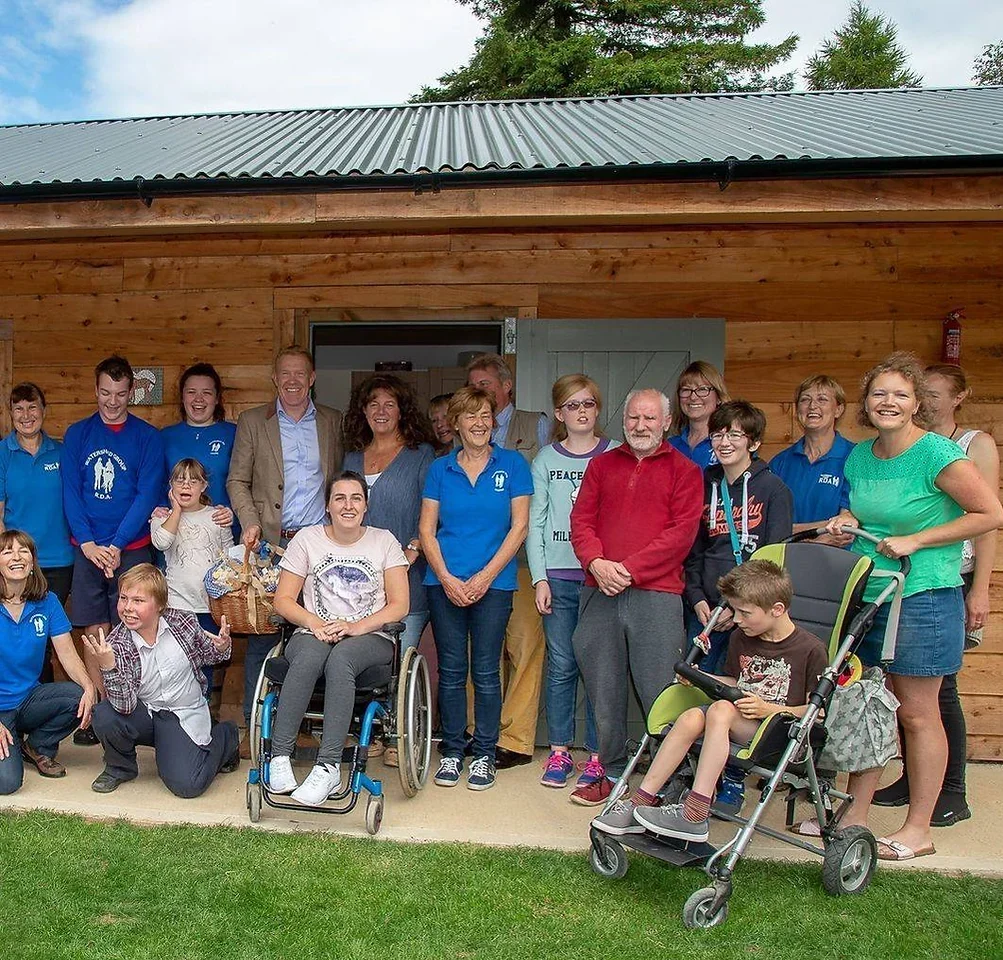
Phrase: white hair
pixel 666 402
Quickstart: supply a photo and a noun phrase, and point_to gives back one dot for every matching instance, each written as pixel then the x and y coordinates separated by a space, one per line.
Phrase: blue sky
pixel 82 59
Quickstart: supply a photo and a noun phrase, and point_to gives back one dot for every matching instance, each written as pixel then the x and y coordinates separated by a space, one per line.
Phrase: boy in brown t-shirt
pixel 773 660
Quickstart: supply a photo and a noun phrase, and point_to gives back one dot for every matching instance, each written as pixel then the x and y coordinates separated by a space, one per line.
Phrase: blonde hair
pixel 563 390
pixel 759 582
pixel 196 471
pixel 826 383
pixel 145 577
pixel 710 373
pixel 469 400
pixel 908 366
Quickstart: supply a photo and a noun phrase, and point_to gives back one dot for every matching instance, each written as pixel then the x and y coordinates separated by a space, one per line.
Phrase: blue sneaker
pixel 448 774
pixel 557 769
pixel 730 795
pixel 482 774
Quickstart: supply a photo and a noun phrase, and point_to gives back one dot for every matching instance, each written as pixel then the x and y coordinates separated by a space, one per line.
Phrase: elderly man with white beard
pixel 632 527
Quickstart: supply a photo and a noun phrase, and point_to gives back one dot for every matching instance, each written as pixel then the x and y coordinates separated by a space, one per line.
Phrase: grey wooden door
pixel 620 355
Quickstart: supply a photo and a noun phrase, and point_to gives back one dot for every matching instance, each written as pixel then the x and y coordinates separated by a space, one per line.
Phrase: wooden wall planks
pixel 797 298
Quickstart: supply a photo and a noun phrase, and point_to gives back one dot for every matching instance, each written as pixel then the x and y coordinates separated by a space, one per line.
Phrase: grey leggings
pixel 340 664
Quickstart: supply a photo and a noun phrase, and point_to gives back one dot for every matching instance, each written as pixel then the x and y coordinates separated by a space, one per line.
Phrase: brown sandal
pixel 46 766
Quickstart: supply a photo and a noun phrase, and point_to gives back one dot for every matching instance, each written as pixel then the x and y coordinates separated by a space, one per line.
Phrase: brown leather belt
pixel 289 534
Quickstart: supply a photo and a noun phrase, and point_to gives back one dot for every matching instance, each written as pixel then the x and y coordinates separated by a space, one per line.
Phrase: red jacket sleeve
pixel 585 517
pixel 667 550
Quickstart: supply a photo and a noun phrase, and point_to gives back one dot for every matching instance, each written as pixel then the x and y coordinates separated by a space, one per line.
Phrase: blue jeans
pixel 562 668
pixel 414 625
pixel 484 623
pixel 47 715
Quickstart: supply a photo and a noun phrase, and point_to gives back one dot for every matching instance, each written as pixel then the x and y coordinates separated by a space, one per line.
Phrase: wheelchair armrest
pixel 394 629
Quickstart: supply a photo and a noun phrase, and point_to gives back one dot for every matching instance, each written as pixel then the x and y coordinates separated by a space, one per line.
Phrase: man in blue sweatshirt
pixel 113 475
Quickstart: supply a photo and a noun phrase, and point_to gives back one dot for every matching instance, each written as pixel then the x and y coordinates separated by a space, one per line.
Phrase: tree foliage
pixel 988 65
pixel 559 48
pixel 864 54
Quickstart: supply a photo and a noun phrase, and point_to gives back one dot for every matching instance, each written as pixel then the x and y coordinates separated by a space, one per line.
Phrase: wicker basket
pixel 247 608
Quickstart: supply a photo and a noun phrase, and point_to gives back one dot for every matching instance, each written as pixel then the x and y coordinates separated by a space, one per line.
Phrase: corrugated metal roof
pixel 537 135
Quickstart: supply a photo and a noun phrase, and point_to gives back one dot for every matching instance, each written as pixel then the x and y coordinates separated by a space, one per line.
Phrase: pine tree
pixel 559 48
pixel 864 54
pixel 989 66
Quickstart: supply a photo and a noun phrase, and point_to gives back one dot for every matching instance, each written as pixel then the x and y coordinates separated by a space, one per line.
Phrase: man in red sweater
pixel 632 526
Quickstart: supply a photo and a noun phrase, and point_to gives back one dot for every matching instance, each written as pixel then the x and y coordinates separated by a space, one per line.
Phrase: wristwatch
pixel 414 545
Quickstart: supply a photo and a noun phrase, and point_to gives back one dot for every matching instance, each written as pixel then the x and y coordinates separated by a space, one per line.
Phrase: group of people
pixel 524 538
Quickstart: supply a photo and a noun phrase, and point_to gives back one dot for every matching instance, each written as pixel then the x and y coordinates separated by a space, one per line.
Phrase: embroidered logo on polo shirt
pixel 50 466
pixel 500 477
pixel 39 623
pixel 829 479
pixel 215 447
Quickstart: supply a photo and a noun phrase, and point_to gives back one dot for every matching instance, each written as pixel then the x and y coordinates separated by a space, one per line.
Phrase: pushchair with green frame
pixel 828 601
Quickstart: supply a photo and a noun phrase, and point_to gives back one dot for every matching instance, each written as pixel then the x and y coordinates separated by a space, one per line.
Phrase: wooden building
pixel 819 232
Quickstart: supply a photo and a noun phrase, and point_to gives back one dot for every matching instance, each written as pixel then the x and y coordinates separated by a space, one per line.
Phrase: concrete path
pixel 517 811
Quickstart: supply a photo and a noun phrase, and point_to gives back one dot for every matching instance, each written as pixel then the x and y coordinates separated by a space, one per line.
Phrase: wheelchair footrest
pixel 676 852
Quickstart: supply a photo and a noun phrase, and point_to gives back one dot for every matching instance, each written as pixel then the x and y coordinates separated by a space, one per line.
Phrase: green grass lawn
pixel 70 889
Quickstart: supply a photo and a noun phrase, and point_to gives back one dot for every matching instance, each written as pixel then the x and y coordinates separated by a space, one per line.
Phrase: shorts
pixel 95 596
pixel 931 635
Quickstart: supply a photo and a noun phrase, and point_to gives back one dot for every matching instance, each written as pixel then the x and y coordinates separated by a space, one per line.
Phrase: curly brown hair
pixel 908 366
pixel 415 427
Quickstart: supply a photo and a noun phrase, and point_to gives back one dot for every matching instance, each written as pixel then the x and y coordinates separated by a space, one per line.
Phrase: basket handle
pixel 247 559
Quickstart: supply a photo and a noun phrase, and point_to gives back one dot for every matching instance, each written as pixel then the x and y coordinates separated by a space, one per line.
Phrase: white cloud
pixel 175 56
pixel 943 39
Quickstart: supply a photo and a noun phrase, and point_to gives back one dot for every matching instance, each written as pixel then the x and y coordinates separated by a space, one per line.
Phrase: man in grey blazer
pixel 284 456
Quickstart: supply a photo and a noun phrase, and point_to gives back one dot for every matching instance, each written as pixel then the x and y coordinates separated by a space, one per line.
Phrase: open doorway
pixel 432 357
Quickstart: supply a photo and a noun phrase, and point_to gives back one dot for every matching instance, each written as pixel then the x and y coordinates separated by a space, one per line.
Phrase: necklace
pixel 374 462
pixel 953 432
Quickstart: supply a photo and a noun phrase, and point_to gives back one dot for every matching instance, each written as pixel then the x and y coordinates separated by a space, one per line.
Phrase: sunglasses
pixel 573 405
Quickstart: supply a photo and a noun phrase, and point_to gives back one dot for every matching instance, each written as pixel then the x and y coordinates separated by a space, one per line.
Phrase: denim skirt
pixel 931 636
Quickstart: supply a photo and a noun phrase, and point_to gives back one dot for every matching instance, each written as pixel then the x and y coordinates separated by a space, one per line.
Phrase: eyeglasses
pixel 573 405
pixel 733 436
pixel 700 392
pixel 186 481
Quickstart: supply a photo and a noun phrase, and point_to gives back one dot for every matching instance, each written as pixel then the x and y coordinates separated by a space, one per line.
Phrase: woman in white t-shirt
pixel 354 580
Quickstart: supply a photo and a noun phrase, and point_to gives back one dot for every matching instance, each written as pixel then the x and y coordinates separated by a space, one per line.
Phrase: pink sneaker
pixel 592 772
pixel 557 769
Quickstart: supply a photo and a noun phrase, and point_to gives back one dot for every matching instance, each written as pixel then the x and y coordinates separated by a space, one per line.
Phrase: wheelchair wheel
pixel 254 724
pixel 414 722
pixel 849 861
pixel 254 802
pixel 612 862
pixel 696 910
pixel 374 815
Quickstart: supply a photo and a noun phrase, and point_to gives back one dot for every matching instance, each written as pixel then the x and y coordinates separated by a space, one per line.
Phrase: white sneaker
pixel 281 778
pixel 321 782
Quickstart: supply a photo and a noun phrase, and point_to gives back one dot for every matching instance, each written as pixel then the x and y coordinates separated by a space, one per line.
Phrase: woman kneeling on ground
pixel 40 713
pixel 151 664
pixel 920 494
pixel 354 579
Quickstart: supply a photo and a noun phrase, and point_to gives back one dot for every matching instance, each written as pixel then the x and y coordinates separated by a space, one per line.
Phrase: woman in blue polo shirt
pixel 474 518
pixel 813 467
pixel 34 717
pixel 700 390
pixel 31 488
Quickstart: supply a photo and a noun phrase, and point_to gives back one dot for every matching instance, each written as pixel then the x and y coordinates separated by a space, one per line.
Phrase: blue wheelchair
pixel 390 701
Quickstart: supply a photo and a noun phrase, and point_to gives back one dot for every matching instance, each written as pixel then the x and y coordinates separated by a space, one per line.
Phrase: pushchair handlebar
pixel 905 564
pixel 708 684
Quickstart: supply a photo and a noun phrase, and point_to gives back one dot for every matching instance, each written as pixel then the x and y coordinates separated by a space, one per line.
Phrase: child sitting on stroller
pixel 774 661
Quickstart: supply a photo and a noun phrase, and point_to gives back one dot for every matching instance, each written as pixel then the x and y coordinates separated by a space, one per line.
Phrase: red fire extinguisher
pixel 950 344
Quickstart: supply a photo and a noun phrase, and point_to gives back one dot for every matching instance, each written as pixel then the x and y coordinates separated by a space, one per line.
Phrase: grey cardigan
pixel 395 503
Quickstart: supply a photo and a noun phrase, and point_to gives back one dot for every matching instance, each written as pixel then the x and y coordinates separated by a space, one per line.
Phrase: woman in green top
pixel 919 492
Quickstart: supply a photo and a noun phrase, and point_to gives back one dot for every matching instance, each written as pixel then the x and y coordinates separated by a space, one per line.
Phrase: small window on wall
pixel 431 356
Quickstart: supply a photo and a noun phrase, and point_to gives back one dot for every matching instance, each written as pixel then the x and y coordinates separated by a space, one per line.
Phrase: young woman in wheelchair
pixel 774 661
pixel 353 580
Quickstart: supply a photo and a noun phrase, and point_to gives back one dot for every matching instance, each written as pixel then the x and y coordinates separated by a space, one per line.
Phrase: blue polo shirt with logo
pixel 31 489
pixel 702 454
pixel 820 489
pixel 474 519
pixel 211 445
pixel 22 646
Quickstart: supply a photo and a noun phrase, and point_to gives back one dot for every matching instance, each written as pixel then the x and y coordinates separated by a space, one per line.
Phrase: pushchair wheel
pixel 254 802
pixel 608 858
pixel 849 861
pixel 696 910
pixel 374 815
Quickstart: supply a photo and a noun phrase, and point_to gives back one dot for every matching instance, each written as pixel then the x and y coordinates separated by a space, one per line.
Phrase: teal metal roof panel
pixel 512 135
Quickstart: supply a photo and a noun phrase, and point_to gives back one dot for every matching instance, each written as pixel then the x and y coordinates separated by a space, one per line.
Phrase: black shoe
pixel 232 763
pixel 894 795
pixel 951 808
pixel 107 782
pixel 509 758
pixel 85 737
